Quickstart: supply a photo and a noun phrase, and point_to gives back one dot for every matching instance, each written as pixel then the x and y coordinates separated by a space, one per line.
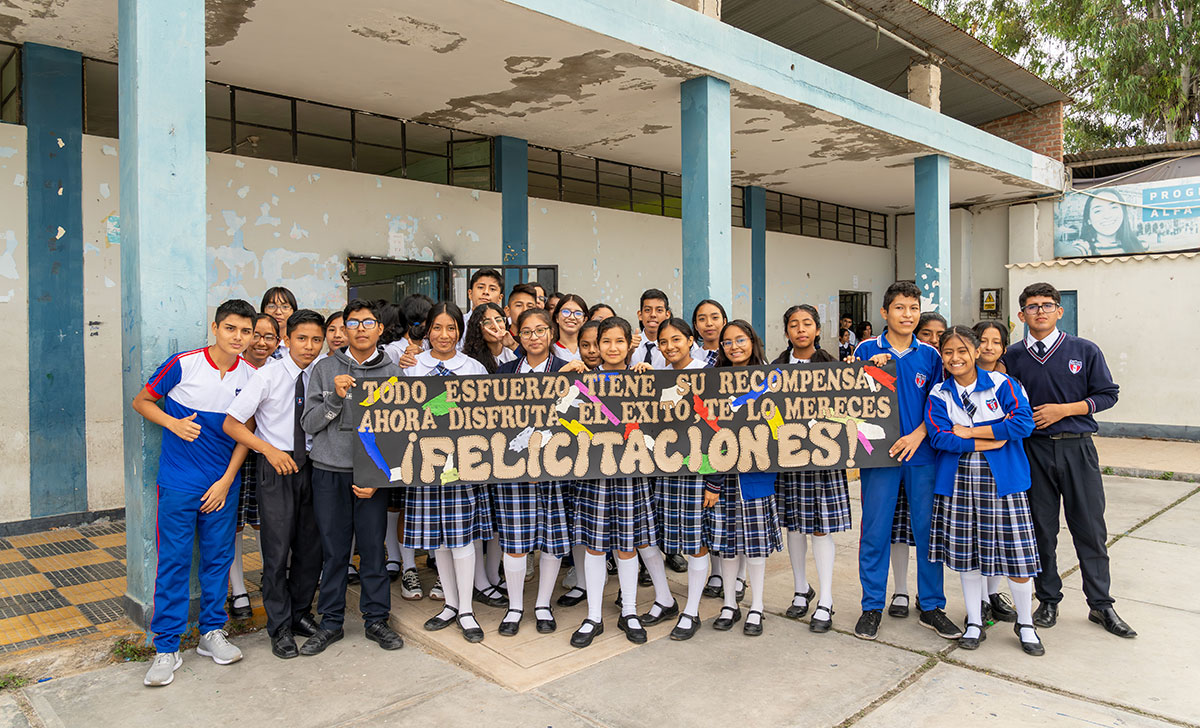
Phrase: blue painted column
pixel 163 288
pixel 707 242
pixel 512 180
pixel 52 94
pixel 754 216
pixel 932 232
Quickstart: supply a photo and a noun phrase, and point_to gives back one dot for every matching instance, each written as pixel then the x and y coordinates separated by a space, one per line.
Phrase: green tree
pixel 1132 66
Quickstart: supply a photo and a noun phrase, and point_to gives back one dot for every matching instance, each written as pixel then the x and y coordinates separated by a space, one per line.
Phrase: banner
pixel 1148 217
pixel 532 427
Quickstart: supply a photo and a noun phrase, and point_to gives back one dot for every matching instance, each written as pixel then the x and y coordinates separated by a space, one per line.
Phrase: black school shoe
pixel 306 626
pixel 1046 615
pixel 545 626
pixel 794 612
pixel 435 623
pixel 1107 618
pixel 1002 608
pixel 510 627
pixel 676 563
pixel 753 629
pixel 681 633
pixel 636 635
pixel 643 575
pixel 316 644
pixel 384 635
pixel 283 645
pixel 972 643
pixel 713 591
pixel 723 623
pixel 936 620
pixel 868 624
pixel 470 634
pixel 571 597
pixel 491 596
pixel 238 612
pixel 664 613
pixel 583 639
pixel 818 625
pixel 1036 649
pixel 900 611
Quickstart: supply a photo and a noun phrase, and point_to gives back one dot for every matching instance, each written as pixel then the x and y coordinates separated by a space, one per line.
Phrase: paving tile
pixel 1139 572
pixel 106 610
pixel 10 555
pixel 44 537
pixel 18 585
pixel 64 619
pixel 29 603
pixel 54 548
pixel 85 574
pixel 17 629
pixel 109 539
pixel 59 562
pixel 93 591
pixel 1178 525
pixel 16 568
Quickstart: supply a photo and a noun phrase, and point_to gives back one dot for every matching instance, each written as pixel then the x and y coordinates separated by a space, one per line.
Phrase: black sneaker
pixel 937 620
pixel 868 624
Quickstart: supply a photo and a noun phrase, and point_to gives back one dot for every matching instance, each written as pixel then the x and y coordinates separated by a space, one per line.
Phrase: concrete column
pixel 52 96
pixel 163 288
pixel 707 241
pixel 512 180
pixel 931 221
pixel 925 85
pixel 754 213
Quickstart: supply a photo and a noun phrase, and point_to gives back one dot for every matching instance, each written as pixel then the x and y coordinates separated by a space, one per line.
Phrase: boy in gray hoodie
pixel 344 511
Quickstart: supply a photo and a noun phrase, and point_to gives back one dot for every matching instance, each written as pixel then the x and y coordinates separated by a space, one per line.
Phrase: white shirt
pixel 459 365
pixel 524 368
pixel 1047 342
pixel 695 364
pixel 657 360
pixel 564 353
pixel 506 355
pixel 270 398
pixel 699 352
pixel 793 360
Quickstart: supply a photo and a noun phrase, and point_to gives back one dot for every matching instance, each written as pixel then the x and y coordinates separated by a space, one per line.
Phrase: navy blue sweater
pixel 1072 371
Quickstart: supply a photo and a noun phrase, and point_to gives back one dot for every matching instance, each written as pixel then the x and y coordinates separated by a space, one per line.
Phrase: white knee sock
pixel 593 574
pixel 514 575
pixel 479 568
pixel 391 541
pixel 972 586
pixel 548 568
pixel 464 572
pixel 237 575
pixel 445 566
pixel 408 558
pixel 492 565
pixel 797 546
pixel 697 571
pixel 823 552
pixel 1023 601
pixel 627 574
pixel 657 567
pixel 757 569
pixel 741 575
pixel 900 568
pixel 729 569
pixel 715 573
pixel 994 585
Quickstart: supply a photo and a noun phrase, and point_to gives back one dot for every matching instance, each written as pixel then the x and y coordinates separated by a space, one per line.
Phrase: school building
pixel 760 152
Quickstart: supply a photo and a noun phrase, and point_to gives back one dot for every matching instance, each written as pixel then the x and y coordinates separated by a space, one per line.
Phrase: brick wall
pixel 1039 130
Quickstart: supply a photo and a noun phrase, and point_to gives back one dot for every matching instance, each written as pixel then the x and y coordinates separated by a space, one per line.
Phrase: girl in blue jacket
pixel 981 522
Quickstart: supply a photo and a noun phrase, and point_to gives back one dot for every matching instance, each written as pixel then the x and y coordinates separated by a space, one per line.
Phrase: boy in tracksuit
pixel 918 368
pixel 344 511
pixel 1068 382
pixel 198 475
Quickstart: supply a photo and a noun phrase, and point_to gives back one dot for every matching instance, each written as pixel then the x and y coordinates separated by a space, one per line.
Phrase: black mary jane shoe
pixel 636 635
pixel 681 633
pixel 795 612
pixel 490 597
pixel 664 613
pixel 239 612
pixel 714 591
pixel 821 626
pixel 508 627
pixel 900 611
pixel 283 645
pixel 393 575
pixel 972 643
pixel 1036 649
pixel 571 597
pixel 435 623
pixel 306 626
pixel 470 634
pixel 583 639
pixel 723 623
pixel 545 626
pixel 740 594
pixel 753 629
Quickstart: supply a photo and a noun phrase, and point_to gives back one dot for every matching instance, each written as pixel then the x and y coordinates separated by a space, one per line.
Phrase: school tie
pixel 968 405
pixel 1039 349
pixel 299 451
pixel 712 358
pixel 441 371
pixel 649 351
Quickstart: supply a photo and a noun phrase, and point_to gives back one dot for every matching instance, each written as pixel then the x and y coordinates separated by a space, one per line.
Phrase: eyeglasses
pixel 495 323
pixel 1048 307
pixel 740 341
pixel 367 324
pixel 567 314
pixel 277 307
pixel 541 299
pixel 269 338
pixel 538 332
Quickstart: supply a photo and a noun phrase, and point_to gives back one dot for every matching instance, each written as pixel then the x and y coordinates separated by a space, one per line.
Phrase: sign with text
pixel 533 427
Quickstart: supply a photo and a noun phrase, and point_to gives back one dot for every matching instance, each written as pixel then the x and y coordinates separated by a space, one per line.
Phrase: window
pixel 10 83
pixel 802 216
pixel 100 98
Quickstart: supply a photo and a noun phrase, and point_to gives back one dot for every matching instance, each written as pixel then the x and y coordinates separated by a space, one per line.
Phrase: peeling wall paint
pixel 14 311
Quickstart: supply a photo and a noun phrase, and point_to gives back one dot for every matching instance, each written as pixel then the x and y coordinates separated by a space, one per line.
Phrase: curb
pixel 1150 474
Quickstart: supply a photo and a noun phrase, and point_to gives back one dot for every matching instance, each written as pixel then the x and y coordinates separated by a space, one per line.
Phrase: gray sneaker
pixel 216 645
pixel 162 670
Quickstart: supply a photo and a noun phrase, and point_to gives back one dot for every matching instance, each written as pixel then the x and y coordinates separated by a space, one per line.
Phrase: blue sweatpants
pixel 880 489
pixel 179 523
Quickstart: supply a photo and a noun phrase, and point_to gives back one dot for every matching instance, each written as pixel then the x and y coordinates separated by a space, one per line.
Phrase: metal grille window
pixel 10 83
pixel 803 216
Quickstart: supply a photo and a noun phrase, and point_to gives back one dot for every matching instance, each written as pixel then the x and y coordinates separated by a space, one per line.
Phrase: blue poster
pixel 1150 217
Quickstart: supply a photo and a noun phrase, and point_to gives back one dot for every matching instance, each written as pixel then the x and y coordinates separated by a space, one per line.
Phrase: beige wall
pixel 14 312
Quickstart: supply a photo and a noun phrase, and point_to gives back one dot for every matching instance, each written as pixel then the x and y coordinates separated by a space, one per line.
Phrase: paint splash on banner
pixel 439 405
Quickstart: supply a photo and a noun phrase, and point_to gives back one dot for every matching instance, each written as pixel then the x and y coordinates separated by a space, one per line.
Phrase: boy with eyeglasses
pixel 1068 383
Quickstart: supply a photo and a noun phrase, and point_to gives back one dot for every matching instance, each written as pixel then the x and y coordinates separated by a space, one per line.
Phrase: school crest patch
pixel 993 405
pixel 1075 366
pixel 920 380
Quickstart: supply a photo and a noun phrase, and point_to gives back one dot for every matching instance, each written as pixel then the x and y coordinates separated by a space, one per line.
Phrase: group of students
pixel 261 418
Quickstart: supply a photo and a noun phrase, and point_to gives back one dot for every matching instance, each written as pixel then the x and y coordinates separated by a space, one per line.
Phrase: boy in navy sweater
pixel 1068 382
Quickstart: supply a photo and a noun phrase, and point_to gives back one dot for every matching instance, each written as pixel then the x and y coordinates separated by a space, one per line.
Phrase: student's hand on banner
pixel 213 499
pixel 881 360
pixel 904 448
pixel 576 366
pixel 710 499
pixel 186 428
pixel 281 461
pixel 363 492
pixel 343 383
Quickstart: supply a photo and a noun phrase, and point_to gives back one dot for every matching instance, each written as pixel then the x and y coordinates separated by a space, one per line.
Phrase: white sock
pixel 797 546
pixel 741 575
pixel 480 567
pixel 697 570
pixel 972 586
pixel 729 569
pixel 237 574
pixel 627 574
pixel 994 585
pixel 757 569
pixel 716 569
pixel 408 558
pixel 593 574
pixel 464 572
pixel 514 575
pixel 492 564
pixel 445 565
pixel 548 568
pixel 1022 593
pixel 823 552
pixel 579 556
pixel 391 541
pixel 657 567
pixel 900 568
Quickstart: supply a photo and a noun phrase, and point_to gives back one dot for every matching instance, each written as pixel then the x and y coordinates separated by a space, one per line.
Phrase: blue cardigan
pixel 999 402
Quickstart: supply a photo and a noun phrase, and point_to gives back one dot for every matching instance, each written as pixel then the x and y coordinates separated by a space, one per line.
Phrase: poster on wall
pixel 533 427
pixel 1150 217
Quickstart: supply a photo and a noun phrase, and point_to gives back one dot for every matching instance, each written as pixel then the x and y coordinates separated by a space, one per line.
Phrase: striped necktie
pixel 712 358
pixel 441 371
pixel 968 405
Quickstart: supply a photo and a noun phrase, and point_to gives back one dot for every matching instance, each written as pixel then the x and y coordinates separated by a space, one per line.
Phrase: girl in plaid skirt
pixel 447 519
pixel 981 520
pixel 811 502
pixel 745 521
pixel 617 514
pixel 533 516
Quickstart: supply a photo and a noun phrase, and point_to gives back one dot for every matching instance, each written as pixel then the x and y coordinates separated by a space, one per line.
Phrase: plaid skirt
pixel 813 501
pixel 902 522
pixel 679 507
pixel 614 514
pixel 976 529
pixel 532 517
pixel 748 527
pixel 446 516
pixel 247 514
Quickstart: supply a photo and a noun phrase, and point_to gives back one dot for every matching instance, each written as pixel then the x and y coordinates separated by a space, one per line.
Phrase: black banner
pixel 510 427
